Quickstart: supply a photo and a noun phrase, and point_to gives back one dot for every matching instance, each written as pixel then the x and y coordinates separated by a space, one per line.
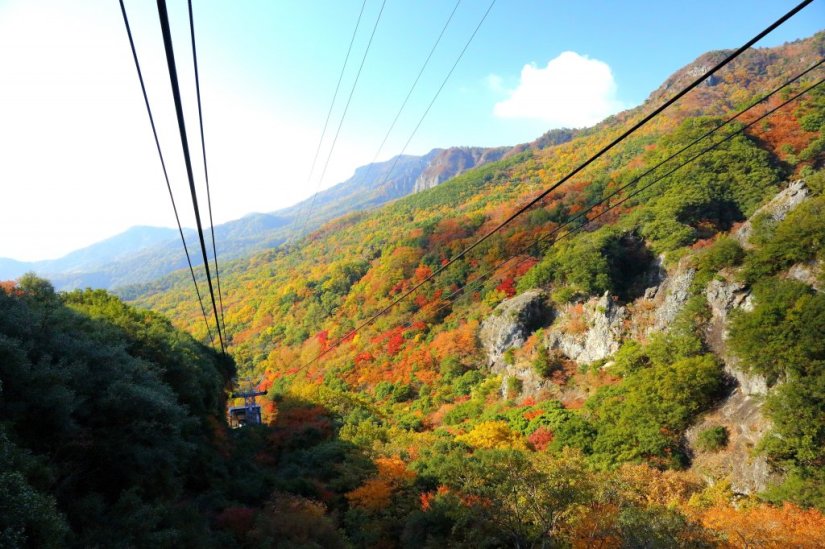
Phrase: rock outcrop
pixel 453 161
pixel 778 208
pixel 741 412
pixel 809 273
pixel 661 303
pixel 741 415
pixel 676 290
pixel 512 322
pixel 590 331
pixel 723 297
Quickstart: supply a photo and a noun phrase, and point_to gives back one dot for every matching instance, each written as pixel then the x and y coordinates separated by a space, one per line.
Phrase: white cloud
pixel 572 91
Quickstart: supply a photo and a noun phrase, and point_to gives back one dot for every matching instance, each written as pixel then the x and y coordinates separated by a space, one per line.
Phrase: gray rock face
pixel 807 273
pixel 512 322
pixel 778 208
pixel 531 383
pixel 723 297
pixel 453 161
pixel 676 290
pixel 602 320
pixel 741 412
pixel 741 415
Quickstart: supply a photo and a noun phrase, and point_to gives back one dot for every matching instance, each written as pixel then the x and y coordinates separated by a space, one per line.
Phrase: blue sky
pixel 80 156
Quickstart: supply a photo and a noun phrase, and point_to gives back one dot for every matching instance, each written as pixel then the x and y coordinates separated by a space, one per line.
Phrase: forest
pixel 420 430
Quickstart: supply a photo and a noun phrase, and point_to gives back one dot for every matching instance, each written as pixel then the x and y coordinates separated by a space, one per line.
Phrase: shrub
pixel 509 356
pixel 712 439
pixel 514 386
pixel 546 363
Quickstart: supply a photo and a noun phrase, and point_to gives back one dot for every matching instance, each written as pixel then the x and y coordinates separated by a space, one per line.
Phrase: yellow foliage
pixel 650 486
pixel 493 434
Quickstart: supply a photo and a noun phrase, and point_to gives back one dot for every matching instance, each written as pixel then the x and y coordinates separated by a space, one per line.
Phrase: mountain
pixel 142 254
pixel 637 361
pixel 96 256
pixel 643 376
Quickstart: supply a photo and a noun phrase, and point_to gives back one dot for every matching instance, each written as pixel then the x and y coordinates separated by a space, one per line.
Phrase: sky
pixel 78 163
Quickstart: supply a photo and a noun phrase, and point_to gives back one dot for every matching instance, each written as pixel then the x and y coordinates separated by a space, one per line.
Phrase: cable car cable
pixel 205 170
pixel 173 77
pixel 163 165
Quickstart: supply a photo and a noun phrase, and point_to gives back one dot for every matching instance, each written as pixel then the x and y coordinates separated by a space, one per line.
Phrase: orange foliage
pixel 460 342
pixel 9 287
pixel 393 469
pixel 373 495
pixel 781 132
pixel 376 492
pixel 531 413
pixel 422 272
pixel 426 498
pixel 767 526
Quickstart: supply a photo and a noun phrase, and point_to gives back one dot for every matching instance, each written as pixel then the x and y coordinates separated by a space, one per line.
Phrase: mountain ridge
pixel 141 254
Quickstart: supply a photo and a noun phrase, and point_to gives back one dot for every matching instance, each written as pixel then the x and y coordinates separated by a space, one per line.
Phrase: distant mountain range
pixel 141 254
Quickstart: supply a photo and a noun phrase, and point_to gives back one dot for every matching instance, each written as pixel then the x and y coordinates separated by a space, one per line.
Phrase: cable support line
pixel 332 103
pixel 690 145
pixel 607 198
pixel 438 92
pixel 583 165
pixel 412 88
pixel 635 192
pixel 574 230
pixel 163 165
pixel 343 116
pixel 205 170
pixel 173 77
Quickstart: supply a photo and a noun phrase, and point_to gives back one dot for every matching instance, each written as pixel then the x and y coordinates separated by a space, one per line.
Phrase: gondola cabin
pixel 244 415
pixel 249 413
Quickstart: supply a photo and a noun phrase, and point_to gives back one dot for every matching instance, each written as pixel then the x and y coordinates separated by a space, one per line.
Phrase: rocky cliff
pixel 590 332
pixel 453 161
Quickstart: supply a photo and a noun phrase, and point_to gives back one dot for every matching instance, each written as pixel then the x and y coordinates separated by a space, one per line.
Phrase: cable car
pixel 247 414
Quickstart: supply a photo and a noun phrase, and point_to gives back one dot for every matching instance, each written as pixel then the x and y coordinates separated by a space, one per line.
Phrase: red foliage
pixel 507 286
pixel 323 338
pixel 524 265
pixel 238 520
pixel 394 344
pixel 417 326
pixel 540 438
pixel 427 498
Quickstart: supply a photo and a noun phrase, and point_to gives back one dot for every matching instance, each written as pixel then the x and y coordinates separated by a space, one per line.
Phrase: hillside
pixel 143 254
pixel 659 345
